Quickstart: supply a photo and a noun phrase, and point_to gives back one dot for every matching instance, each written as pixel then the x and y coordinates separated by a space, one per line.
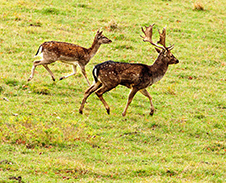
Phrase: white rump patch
pixel 95 71
pixel 40 54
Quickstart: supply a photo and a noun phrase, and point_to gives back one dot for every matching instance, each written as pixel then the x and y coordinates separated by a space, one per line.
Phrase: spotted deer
pixel 136 76
pixel 69 54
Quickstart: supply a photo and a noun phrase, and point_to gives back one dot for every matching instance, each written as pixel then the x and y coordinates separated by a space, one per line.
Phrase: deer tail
pixel 39 51
pixel 95 73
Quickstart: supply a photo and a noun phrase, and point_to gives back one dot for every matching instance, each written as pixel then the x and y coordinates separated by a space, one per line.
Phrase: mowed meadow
pixel 45 139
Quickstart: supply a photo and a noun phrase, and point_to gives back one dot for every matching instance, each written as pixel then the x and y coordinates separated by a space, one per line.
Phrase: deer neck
pixel 93 49
pixel 158 69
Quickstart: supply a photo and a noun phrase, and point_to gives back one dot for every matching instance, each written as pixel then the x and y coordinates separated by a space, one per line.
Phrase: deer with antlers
pixel 135 76
pixel 69 54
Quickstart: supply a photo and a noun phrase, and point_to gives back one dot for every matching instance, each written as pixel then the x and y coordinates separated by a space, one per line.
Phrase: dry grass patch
pixel 198 6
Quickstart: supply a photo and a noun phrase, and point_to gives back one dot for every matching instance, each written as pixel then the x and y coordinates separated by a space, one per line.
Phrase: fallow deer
pixel 136 76
pixel 69 54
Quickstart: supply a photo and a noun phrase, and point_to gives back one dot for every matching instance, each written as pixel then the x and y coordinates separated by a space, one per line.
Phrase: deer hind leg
pixel 146 94
pixel 130 98
pixel 100 93
pixel 74 67
pixel 33 69
pixel 88 92
pixel 35 64
pixel 50 72
pixel 40 62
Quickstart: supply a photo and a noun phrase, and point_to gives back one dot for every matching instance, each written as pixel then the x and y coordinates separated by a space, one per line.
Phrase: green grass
pixel 45 139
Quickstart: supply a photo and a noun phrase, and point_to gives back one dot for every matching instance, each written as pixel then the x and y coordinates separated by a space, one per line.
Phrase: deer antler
pixel 147 33
pixel 162 39
pixel 148 37
pixel 162 35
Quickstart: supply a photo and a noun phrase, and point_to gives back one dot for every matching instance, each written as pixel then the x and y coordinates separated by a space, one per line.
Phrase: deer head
pixel 100 38
pixel 164 51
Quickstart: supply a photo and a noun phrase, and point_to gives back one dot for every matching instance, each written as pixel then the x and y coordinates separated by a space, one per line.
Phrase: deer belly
pixel 68 60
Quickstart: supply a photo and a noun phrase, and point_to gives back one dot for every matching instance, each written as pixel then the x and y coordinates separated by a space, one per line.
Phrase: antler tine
pixel 162 35
pixel 147 32
pixel 148 36
pixel 170 47
pixel 143 36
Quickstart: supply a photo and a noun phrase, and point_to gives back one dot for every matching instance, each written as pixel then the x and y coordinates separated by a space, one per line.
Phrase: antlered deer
pixel 136 76
pixel 69 54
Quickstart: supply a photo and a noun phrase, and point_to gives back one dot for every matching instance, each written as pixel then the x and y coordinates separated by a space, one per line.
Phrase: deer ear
pixel 158 50
pixel 99 32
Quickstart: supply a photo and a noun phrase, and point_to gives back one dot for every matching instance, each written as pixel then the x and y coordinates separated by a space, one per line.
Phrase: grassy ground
pixel 45 139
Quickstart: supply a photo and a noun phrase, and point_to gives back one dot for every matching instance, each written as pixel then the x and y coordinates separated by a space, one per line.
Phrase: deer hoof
pixel 61 78
pixel 29 79
pixel 80 111
pixel 108 111
pixel 152 112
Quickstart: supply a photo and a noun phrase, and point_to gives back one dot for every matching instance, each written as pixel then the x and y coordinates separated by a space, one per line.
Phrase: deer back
pixel 127 74
pixel 54 50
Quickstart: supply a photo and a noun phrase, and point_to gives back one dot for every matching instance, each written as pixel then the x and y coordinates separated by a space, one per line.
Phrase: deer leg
pixel 146 94
pixel 131 95
pixel 84 73
pixel 41 62
pixel 105 103
pixel 35 64
pixel 100 93
pixel 74 72
pixel 88 92
pixel 50 72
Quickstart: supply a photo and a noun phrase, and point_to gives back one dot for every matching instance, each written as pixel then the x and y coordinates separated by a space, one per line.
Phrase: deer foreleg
pixel 50 72
pixel 131 95
pixel 74 72
pixel 84 73
pixel 146 94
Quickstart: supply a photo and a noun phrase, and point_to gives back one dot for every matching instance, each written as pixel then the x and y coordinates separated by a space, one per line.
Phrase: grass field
pixel 45 139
